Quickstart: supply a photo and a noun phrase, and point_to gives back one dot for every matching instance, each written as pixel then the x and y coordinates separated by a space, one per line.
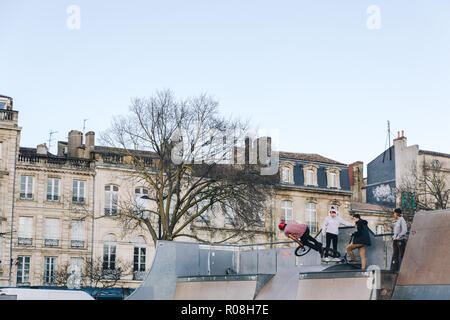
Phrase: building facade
pixel 310 185
pixel 58 209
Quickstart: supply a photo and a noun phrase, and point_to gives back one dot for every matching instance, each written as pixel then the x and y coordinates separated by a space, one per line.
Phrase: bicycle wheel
pixel 301 251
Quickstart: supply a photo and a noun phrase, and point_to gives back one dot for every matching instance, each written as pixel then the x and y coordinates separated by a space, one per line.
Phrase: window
pixel 333 179
pixel 309 177
pixel 139 258
pixel 111 199
pixel 53 189
pixel 78 191
pixel 77 234
pixel 2 105
pixel 109 253
pixel 230 215
pixel 26 187
pixel 1 144
pixel 51 232
pixel 285 175
pixel 311 216
pixel 286 210
pixel 23 269
pixel 435 164
pixel 25 230
pixel 49 270
pixel 333 174
pixel 206 215
pixel 141 202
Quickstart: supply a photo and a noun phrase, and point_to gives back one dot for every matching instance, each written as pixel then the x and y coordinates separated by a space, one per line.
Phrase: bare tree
pixel 425 187
pixel 190 160
pixel 97 278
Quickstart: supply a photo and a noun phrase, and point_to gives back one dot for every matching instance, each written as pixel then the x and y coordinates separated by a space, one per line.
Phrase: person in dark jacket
pixel 361 239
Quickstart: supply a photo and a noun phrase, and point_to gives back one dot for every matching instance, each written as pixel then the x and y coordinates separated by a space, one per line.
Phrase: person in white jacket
pixel 330 231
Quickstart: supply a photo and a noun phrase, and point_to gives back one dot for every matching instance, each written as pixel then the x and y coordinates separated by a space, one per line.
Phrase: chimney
pixel 75 142
pixel 42 149
pixel 90 144
pixel 401 141
pixel 264 143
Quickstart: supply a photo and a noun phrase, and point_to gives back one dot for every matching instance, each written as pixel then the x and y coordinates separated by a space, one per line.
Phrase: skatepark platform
pixel 271 271
pixel 185 270
pixel 425 270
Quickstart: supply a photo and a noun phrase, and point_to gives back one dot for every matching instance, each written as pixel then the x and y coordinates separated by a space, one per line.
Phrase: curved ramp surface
pixel 284 285
pixel 425 270
pixel 214 288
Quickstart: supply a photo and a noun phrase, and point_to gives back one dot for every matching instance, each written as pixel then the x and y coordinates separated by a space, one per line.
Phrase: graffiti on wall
pixel 384 194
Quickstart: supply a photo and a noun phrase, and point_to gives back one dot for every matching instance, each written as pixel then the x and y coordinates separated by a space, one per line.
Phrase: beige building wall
pixel 39 209
pixel 300 199
pixel 9 144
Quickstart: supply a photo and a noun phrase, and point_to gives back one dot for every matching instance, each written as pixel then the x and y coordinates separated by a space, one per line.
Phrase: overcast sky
pixel 326 74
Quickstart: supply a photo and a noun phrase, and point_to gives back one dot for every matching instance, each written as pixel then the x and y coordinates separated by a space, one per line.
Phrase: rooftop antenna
pixel 388 140
pixel 84 126
pixel 51 133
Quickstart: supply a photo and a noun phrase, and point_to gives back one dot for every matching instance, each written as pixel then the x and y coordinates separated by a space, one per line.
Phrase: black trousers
pixel 310 241
pixel 398 250
pixel 331 238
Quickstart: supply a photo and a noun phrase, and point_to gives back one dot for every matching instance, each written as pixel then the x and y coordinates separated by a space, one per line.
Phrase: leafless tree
pixel 97 278
pixel 425 187
pixel 190 160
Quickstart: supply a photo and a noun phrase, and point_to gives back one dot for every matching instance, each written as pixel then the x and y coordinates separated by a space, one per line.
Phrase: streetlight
pixel 145 197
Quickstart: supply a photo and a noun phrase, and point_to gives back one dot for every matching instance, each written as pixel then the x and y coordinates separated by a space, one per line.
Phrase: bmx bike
pixel 303 249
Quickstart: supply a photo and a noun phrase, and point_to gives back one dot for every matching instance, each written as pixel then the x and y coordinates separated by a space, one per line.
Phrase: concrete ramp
pixel 284 285
pixel 341 285
pixel 425 270
pixel 235 287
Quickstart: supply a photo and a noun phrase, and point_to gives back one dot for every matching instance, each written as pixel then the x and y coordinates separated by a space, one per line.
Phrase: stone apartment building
pixel 310 185
pixel 59 212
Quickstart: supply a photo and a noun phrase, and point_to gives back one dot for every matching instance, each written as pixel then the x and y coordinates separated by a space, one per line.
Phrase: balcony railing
pixel 25 241
pixel 51 242
pixel 54 161
pixel 8 115
pixel 76 243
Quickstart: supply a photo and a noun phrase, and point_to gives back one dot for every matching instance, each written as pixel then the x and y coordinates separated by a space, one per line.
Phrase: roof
pixel 363 206
pixel 32 151
pixel 308 157
pixel 106 150
pixel 433 153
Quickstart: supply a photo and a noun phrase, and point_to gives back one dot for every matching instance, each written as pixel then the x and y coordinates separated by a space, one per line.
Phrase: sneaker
pixel 327 259
pixel 352 261
pixel 336 259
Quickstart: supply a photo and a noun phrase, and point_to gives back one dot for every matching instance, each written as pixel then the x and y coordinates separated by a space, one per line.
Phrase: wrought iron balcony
pixel 51 242
pixel 77 243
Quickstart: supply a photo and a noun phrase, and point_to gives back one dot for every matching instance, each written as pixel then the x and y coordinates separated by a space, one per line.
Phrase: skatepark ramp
pixel 186 270
pixel 425 269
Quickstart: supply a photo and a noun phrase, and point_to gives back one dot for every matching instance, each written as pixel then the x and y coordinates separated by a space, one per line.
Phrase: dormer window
pixel 333 174
pixel 285 175
pixel 333 181
pixel 287 172
pixel 309 177
pixel 310 174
